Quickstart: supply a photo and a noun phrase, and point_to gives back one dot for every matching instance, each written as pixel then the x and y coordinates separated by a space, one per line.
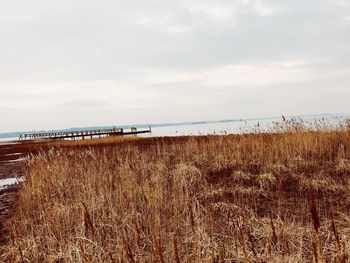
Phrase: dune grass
pixel 278 197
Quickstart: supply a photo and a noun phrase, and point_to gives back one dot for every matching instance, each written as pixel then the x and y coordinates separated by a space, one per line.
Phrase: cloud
pixel 262 9
pixel 162 60
pixel 83 104
pixel 213 10
pixel 244 75
pixel 163 24
pixel 343 3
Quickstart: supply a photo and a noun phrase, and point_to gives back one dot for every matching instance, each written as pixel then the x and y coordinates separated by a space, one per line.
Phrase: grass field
pixel 277 197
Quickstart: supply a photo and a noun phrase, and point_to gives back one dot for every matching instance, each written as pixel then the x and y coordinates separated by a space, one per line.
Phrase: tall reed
pixel 267 197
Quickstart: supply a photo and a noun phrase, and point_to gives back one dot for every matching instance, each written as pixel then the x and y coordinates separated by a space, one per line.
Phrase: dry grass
pixel 282 197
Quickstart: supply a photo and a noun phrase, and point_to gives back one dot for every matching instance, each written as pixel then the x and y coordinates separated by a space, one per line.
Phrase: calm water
pixel 239 127
pixel 7 139
pixel 218 128
pixel 226 127
pixel 4 183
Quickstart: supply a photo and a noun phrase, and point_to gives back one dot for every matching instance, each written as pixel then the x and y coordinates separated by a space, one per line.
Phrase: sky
pixel 72 63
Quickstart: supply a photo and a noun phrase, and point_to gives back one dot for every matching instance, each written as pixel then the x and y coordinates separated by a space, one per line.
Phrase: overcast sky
pixel 72 63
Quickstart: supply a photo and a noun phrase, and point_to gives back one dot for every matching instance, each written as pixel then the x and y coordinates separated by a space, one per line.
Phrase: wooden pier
pixel 90 134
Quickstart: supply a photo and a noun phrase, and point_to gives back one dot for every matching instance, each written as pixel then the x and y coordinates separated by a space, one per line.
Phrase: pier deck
pixel 83 134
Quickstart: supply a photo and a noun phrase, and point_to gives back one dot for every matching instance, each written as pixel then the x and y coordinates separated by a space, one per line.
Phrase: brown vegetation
pixel 278 197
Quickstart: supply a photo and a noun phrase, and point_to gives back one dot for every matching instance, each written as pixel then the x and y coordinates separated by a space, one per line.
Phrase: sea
pixel 218 127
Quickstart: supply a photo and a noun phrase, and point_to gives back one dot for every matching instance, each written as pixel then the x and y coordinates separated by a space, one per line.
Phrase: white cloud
pixel 244 75
pixel 15 18
pixel 213 10
pixel 163 60
pixel 163 24
pixel 262 8
pixel 344 3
